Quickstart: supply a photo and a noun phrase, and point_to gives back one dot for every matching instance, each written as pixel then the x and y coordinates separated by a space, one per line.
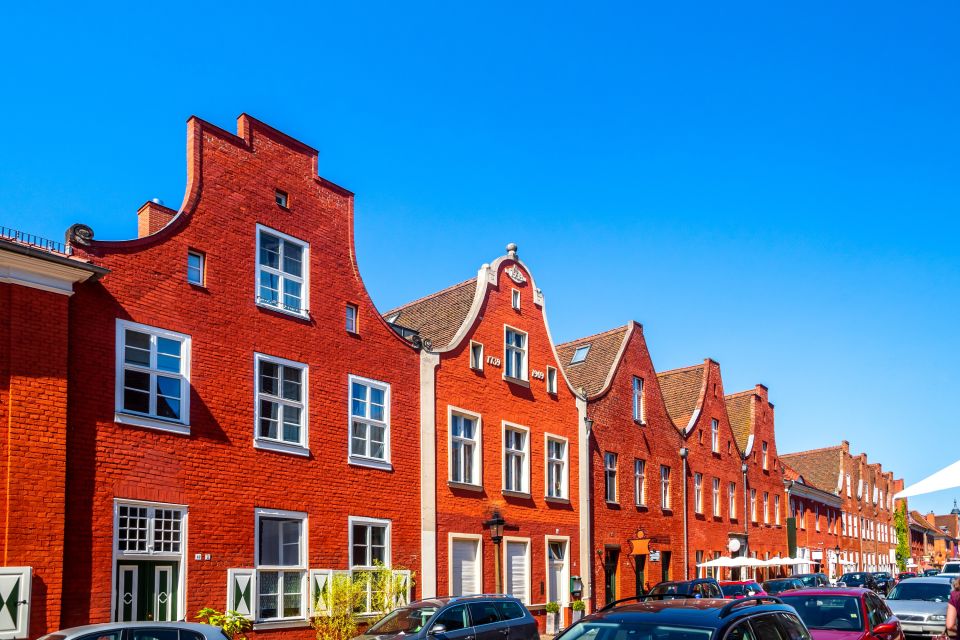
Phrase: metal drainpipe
pixel 746 517
pixel 686 561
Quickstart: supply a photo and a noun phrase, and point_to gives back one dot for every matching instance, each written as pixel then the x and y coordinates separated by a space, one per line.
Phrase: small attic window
pixel 280 197
pixel 580 354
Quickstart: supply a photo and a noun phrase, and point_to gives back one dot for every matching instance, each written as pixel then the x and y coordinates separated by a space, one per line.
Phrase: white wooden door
pixel 518 571
pixel 14 602
pixel 556 572
pixel 465 567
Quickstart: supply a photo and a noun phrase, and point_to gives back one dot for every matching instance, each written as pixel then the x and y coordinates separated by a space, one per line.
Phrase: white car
pixel 951 569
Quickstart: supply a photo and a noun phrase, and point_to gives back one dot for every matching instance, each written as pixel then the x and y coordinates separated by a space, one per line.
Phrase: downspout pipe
pixel 684 452
pixel 746 517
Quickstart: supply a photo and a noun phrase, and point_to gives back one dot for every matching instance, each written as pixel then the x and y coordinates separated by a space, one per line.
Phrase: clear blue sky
pixel 773 187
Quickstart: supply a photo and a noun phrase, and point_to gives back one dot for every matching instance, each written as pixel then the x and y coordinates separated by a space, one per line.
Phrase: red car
pixel 844 614
pixel 733 590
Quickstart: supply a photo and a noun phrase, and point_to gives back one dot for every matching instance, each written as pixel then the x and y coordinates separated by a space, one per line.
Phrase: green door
pixel 665 565
pixel 610 574
pixel 639 571
pixel 147 590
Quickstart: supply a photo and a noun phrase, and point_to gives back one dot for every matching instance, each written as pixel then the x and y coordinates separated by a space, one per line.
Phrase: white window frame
pixel 304 311
pixel 478 568
pixel 508 351
pixel 476 356
pixel 639 406
pixel 506 568
pixel 151 420
pixel 582 349
pixel 477 480
pixel 716 498
pixel 551 380
pixel 698 492
pixel 363 460
pixel 753 505
pixel 766 456
pixel 355 318
pixel 301 448
pixel 640 482
pixel 848 485
pixel 715 435
pixel 515 299
pixel 525 472
pixel 816 517
pixel 766 507
pixel 665 479
pixel 607 472
pixel 776 509
pixel 564 587
pixel 302 567
pixel 732 499
pixel 565 468
pixel 387 552
pixel 203 267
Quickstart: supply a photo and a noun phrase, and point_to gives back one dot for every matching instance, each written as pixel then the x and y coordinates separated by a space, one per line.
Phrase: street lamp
pixel 496 524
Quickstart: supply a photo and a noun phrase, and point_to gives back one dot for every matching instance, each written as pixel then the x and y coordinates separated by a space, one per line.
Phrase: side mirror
pixel 885 629
pixel 437 630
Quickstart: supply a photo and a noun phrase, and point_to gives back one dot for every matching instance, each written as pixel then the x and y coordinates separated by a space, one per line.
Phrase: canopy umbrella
pixel 776 562
pixel 946 478
pixel 721 562
pixel 746 562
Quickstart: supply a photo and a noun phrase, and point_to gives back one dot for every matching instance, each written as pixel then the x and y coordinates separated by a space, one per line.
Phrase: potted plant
pixel 553 611
pixel 234 625
pixel 578 606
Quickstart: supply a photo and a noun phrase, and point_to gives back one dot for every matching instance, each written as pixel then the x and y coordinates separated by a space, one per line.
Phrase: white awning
pixel 946 478
pixel 721 562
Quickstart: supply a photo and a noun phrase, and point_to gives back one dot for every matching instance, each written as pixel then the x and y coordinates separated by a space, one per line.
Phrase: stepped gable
pixel 594 372
pixel 682 391
pixel 820 468
pixel 438 316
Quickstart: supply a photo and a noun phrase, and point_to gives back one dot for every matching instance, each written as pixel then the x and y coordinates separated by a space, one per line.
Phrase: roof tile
pixel 820 468
pixel 681 390
pixel 591 374
pixel 740 413
pixel 438 316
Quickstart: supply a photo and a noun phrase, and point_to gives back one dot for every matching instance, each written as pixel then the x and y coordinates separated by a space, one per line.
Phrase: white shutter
pixel 403 579
pixel 517 571
pixel 242 591
pixel 464 567
pixel 320 583
pixel 15 599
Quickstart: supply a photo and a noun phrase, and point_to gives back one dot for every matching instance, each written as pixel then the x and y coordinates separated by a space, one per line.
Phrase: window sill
pixel 152 423
pixel 516 494
pixel 517 381
pixel 303 315
pixel 612 503
pixel 282 447
pixel 467 486
pixel 281 624
pixel 556 500
pixel 371 463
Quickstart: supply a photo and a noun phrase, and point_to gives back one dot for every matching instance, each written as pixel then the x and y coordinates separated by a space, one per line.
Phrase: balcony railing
pixel 32 240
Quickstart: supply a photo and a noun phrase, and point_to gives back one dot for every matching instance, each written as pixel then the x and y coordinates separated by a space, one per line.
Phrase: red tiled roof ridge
pixel 805 451
pixel 429 296
pixel 681 369
pixel 741 393
pixel 594 336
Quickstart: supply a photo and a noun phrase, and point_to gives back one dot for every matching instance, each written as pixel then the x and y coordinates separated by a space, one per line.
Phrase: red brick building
pixel 503 427
pixel 636 521
pixel 816 518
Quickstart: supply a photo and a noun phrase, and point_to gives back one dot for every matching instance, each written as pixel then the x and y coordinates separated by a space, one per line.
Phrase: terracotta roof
pixel 740 413
pixel 919 520
pixel 789 473
pixel 592 373
pixel 820 468
pixel 951 522
pixel 439 315
pixel 681 390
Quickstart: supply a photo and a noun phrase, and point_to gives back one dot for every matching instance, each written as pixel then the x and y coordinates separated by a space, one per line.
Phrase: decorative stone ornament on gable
pixel 516 275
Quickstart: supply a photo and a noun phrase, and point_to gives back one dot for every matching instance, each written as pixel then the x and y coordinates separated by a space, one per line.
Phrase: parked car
pixel 884 581
pixel 779 585
pixel 699 588
pixel 458 618
pixel 930 572
pixel 813 579
pixel 764 618
pixel 863 579
pixel 951 569
pixel 140 631
pixel 845 614
pixel 905 575
pixel 921 605
pixel 741 589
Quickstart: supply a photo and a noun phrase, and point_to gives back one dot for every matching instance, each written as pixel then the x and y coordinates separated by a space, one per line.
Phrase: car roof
pixel 696 612
pixel 724 583
pixel 829 591
pixel 199 627
pixel 445 600
pixel 930 580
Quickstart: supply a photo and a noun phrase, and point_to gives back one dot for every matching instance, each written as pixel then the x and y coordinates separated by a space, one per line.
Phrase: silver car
pixel 140 631
pixel 921 605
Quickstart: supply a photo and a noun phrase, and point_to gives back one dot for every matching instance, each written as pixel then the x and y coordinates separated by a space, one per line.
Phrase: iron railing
pixel 35 241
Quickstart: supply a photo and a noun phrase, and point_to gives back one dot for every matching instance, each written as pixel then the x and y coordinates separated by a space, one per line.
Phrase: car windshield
pixel 951 567
pixel 810 580
pixel 404 620
pixel 602 630
pixel 929 591
pixel 841 613
pixel 671 588
pixel 776 586
pixel 748 589
pixel 882 576
pixel 853 579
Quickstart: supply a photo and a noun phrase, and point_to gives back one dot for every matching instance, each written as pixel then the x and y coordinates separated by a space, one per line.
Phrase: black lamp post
pixel 496 524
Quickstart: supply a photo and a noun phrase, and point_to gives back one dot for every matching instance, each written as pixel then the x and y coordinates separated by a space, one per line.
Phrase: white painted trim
pixel 366 461
pixel 551 384
pixel 258 513
pixel 36 273
pixel 566 465
pixel 376 522
pixel 693 419
pixel 565 576
pixel 479 361
pixel 428 474
pixel 135 571
pixel 506 567
pixel 156 605
pixel 451 536
pixel 304 290
pixel 515 298
pixel 750 442
pixel 181 426
pixel 584 507
pixel 303 447
pixel 478 462
pixel 503 456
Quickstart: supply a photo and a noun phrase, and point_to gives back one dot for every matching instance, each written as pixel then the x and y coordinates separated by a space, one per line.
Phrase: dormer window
pixel 580 354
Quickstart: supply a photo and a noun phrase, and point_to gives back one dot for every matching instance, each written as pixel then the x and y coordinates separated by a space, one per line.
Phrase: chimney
pixel 152 217
pixel 845 445
pixel 932 519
